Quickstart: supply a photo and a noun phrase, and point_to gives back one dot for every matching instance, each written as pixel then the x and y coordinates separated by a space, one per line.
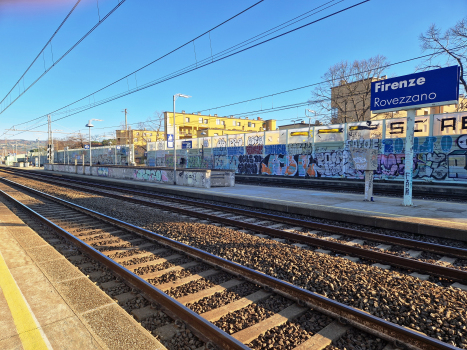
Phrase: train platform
pixel 47 303
pixel 426 188
pixel 427 217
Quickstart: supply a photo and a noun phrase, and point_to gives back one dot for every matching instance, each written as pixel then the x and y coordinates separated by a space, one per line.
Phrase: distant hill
pixel 22 146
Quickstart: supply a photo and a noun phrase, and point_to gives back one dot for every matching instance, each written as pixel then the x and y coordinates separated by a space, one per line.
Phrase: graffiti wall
pixel 151 175
pixel 116 155
pixel 440 150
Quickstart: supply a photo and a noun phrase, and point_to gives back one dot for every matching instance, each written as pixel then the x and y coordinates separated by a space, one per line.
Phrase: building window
pixel 187 120
pixel 200 120
pixel 137 134
pixel 218 121
pixel 238 123
pixel 249 124
pixel 223 122
pixel 205 121
pixel 136 140
pixel 216 134
pixel 151 134
pixel 234 122
pixel 253 124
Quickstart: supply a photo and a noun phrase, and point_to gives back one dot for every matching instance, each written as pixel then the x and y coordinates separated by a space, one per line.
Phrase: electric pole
pixel 49 141
pixel 127 136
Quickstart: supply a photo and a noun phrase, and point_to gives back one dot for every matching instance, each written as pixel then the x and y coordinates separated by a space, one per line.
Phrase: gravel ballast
pixel 422 305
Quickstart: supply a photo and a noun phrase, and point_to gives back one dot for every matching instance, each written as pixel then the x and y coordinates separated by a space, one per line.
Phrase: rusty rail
pixel 353 316
pixel 406 263
pixel 200 326
pixel 404 242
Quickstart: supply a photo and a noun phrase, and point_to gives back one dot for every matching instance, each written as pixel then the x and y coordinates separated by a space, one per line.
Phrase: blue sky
pixel 142 30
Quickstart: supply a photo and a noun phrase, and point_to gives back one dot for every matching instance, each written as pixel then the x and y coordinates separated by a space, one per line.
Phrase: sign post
pixel 366 159
pixel 408 169
pixel 410 92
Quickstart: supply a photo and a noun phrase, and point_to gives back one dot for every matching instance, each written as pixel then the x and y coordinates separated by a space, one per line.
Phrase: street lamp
pixel 175 148
pixel 89 125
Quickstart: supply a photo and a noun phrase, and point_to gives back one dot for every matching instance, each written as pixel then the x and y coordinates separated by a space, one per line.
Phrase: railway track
pixel 438 263
pixel 160 267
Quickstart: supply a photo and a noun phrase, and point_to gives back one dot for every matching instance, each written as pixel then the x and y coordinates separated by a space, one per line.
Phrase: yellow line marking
pixel 28 331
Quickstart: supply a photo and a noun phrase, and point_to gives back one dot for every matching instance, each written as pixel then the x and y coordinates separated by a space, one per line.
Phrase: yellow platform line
pixel 26 327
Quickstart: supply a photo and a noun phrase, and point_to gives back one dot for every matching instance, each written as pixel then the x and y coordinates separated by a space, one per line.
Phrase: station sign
pixel 187 144
pixel 170 141
pixel 425 89
pixel 86 146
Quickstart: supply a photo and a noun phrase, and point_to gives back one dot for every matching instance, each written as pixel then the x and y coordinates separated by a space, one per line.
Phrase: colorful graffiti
pixel 440 150
pixel 433 159
pixel 151 175
pixel 102 171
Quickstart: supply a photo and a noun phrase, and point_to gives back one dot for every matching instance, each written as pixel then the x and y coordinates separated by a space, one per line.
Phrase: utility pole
pixel 49 140
pixel 126 126
pixel 127 137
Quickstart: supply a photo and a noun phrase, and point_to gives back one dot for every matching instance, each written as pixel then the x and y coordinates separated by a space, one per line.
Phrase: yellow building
pixel 350 102
pixel 138 138
pixel 198 125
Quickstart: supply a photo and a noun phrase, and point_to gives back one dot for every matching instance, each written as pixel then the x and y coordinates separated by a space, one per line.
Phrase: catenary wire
pixel 275 109
pixel 192 69
pixel 165 55
pixel 35 59
pixel 65 54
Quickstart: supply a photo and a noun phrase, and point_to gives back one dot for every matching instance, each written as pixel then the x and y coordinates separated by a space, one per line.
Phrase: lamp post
pixel 89 125
pixel 175 148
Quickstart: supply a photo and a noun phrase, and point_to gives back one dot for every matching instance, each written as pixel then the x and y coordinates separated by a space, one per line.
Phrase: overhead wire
pixel 47 43
pixel 150 63
pixel 64 55
pixel 169 77
pixel 324 81
pixel 257 98
pixel 275 109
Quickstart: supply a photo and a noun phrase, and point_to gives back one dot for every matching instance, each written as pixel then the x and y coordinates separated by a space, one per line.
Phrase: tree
pixel 74 141
pixel 345 94
pixel 154 124
pixel 446 49
pixel 109 142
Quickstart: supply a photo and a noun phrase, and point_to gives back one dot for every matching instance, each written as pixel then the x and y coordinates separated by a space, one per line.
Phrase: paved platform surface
pixel 428 217
pixel 420 187
pixel 47 303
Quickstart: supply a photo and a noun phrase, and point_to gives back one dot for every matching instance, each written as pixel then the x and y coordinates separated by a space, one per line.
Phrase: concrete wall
pixel 102 155
pixel 440 150
pixel 189 177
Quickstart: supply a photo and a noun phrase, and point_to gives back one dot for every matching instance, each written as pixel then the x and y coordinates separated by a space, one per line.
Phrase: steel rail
pixel 429 247
pixel 201 327
pixel 355 317
pixel 385 258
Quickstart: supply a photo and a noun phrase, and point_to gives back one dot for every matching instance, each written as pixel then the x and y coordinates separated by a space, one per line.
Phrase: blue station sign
pixel 425 89
pixel 187 144
pixel 170 141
